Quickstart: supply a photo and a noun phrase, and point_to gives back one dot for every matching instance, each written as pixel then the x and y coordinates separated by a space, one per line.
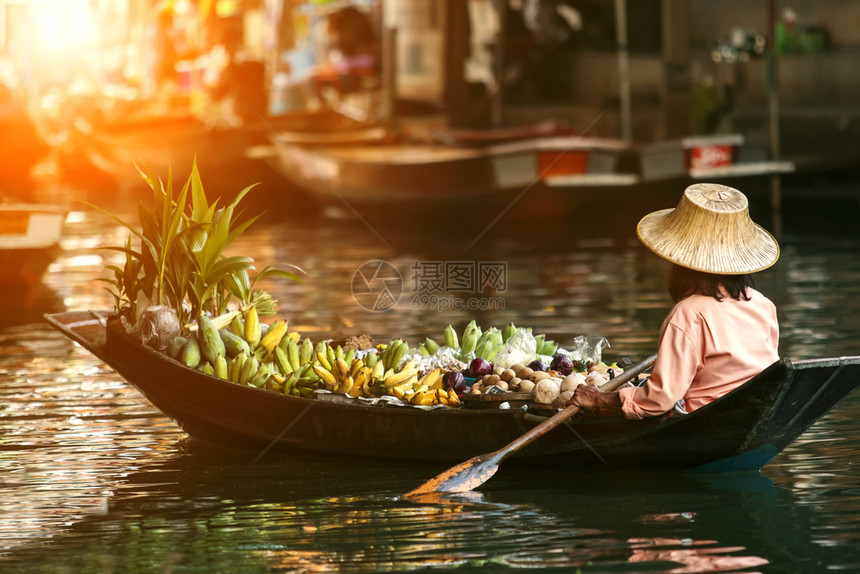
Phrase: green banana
pixel 207 368
pixel 431 345
pixel 259 381
pixel 422 348
pixel 397 354
pixel 248 369
pixel 190 355
pixel 237 326
pixel 235 366
pixel 349 356
pixel 233 344
pixel 470 341
pixel 486 336
pixel 289 383
pixel 293 355
pixel 508 331
pixel 539 340
pixel 451 340
pixel 389 351
pixel 371 359
pixel 306 351
pixel 482 351
pixel 320 347
pixel 283 363
pixel 549 348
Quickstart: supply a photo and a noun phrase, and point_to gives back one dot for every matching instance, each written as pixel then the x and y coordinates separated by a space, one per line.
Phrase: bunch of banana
pixel 391 354
pixel 489 344
pixel 469 340
pixel 353 379
pixel 422 389
pixel 545 346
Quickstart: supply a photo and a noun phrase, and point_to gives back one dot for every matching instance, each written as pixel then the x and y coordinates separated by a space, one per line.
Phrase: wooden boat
pixel 29 240
pixel 174 142
pixel 384 181
pixel 741 431
pixel 708 158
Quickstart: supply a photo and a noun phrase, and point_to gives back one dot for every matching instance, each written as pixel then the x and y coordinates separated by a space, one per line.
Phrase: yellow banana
pixel 378 370
pixel 274 335
pixel 441 397
pixel 253 330
pixel 326 376
pixel 431 378
pixel 453 399
pixel 355 367
pixel 345 385
pixel 418 398
pixel 405 385
pixel 295 336
pixel 437 384
pixel 399 377
pixel 368 382
pixel 340 369
pixel 360 377
pixel 324 362
pixel 399 393
pixel 220 367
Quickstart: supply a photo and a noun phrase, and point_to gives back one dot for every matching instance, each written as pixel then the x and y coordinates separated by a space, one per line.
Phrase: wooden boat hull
pixel 29 241
pixel 741 431
pixel 384 181
pixel 173 143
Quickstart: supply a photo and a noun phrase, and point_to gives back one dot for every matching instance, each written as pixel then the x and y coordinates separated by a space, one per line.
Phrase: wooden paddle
pixel 477 470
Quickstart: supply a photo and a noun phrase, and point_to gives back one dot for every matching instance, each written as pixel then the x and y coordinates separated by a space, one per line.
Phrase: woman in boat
pixel 721 331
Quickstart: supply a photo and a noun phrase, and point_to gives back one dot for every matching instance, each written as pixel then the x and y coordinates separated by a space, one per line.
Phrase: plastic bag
pixel 587 349
pixel 520 349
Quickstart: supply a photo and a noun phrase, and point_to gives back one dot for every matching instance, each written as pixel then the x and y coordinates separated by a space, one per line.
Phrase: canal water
pixel 95 479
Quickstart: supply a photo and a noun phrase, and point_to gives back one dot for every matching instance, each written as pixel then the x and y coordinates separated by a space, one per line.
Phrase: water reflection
pixel 202 508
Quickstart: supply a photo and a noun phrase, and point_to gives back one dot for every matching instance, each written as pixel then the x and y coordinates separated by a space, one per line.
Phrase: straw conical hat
pixel 710 231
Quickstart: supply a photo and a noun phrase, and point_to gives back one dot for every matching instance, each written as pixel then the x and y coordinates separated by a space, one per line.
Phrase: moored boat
pixel 387 180
pixel 743 430
pixel 713 157
pixel 160 143
pixel 29 240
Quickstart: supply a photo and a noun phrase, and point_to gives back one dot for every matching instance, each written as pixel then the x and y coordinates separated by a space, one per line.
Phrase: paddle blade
pixel 463 477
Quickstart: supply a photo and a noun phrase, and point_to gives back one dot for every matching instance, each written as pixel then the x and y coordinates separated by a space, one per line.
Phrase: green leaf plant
pixel 177 256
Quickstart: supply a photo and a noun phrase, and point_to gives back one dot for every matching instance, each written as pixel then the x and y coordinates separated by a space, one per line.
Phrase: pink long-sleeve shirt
pixel 707 348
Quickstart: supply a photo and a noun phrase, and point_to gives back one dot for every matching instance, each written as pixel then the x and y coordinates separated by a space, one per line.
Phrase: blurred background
pixel 88 86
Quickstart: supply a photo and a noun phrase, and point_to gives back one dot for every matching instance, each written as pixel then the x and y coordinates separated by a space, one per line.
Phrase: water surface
pixel 96 480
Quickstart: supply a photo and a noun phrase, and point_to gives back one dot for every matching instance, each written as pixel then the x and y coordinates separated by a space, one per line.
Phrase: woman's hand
pixel 595 403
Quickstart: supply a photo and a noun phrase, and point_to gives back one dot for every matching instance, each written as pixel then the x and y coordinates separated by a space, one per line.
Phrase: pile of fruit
pixel 177 282
pixel 271 357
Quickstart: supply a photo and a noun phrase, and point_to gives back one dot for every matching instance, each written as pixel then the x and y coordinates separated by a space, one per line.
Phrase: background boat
pixel 29 240
pixel 160 143
pixel 426 180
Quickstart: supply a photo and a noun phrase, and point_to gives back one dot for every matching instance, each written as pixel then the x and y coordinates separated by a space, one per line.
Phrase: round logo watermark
pixel 377 285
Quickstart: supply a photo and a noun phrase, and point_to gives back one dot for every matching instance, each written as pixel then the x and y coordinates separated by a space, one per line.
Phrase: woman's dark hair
pixel 684 282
